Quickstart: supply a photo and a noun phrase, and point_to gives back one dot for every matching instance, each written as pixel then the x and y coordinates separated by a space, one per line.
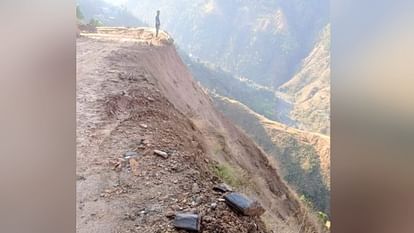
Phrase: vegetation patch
pixel 229 175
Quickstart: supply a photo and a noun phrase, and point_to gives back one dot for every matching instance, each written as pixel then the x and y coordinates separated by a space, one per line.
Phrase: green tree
pixel 95 23
pixel 79 14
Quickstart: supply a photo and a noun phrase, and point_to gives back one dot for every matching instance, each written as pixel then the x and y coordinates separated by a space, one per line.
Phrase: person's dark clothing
pixel 157 24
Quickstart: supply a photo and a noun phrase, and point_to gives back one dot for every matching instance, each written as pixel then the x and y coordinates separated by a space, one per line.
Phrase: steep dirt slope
pixel 303 157
pixel 135 94
pixel 115 97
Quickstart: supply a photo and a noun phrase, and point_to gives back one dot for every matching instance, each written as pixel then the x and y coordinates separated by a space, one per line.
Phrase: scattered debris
pixel 243 204
pixel 118 164
pixel 161 153
pixel 114 191
pixel 187 221
pixel 223 188
pixel 79 177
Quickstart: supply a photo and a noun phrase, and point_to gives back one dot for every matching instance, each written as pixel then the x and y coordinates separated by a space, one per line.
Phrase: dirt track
pixel 119 110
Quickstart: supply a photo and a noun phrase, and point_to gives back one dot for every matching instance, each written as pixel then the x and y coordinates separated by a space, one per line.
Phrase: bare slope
pixel 303 157
pixel 135 94
pixel 309 89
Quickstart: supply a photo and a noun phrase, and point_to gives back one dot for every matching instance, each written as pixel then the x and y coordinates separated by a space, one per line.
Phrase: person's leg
pixel 156 34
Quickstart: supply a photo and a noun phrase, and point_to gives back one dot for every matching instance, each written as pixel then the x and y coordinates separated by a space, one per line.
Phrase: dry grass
pixel 230 175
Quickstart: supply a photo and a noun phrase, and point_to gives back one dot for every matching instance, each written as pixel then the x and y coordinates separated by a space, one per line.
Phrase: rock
pixel 195 188
pixel 133 164
pixel 170 214
pixel 143 126
pixel 213 205
pixel 221 200
pixel 130 154
pixel 243 204
pixel 207 219
pixel 223 188
pixel 199 199
pixel 161 153
pixel 187 221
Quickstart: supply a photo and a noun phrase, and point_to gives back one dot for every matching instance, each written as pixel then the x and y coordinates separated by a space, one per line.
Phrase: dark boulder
pixel 187 221
pixel 243 204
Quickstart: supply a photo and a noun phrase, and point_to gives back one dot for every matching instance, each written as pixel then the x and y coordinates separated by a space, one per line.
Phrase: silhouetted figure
pixel 157 23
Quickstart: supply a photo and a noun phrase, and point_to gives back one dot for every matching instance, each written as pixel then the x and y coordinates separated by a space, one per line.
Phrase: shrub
pixel 229 175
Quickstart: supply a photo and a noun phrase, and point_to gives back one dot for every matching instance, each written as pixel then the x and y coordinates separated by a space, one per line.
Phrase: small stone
pixel 213 205
pixel 223 188
pixel 195 188
pixel 130 154
pixel 221 200
pixel 161 153
pixel 143 126
pixel 133 164
pixel 170 214
pixel 207 219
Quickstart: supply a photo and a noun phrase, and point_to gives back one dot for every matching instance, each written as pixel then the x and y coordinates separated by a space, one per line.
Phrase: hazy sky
pixel 117 2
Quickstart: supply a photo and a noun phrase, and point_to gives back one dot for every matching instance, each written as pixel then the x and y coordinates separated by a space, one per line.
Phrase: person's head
pixel 158 12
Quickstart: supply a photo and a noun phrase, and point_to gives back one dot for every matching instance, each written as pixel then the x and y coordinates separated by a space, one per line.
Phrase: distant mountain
pixel 108 14
pixel 264 41
pixel 309 90
pixel 259 98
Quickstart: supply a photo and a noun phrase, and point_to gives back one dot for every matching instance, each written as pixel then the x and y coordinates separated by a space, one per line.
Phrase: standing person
pixel 157 23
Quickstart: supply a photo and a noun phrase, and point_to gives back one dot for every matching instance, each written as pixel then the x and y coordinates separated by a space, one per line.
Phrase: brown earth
pixel 135 94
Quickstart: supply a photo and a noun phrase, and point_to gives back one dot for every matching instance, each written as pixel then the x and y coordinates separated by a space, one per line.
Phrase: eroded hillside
pixel 134 96
pixel 303 157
